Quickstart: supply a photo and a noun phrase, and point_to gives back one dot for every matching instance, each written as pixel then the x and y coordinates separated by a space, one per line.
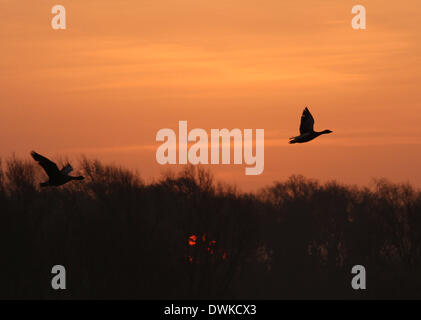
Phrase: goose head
pixel 75 178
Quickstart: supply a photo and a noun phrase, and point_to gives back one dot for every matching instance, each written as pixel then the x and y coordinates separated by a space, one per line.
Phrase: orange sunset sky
pixel 123 69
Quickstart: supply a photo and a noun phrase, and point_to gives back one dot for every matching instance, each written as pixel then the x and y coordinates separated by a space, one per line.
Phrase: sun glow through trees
pixel 196 245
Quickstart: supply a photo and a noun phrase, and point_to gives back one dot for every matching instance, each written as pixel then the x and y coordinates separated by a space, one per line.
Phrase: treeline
pixel 187 237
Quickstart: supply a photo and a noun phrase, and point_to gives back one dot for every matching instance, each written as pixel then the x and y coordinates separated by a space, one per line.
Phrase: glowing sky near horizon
pixel 122 70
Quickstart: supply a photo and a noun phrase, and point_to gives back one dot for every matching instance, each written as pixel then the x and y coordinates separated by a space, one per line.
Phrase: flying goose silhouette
pixel 56 177
pixel 307 132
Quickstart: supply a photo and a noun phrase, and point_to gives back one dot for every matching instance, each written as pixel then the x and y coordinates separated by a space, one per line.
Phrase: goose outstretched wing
pixel 49 166
pixel 66 169
pixel 307 122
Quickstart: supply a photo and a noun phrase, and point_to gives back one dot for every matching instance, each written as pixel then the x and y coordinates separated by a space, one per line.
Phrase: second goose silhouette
pixel 307 132
pixel 56 177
